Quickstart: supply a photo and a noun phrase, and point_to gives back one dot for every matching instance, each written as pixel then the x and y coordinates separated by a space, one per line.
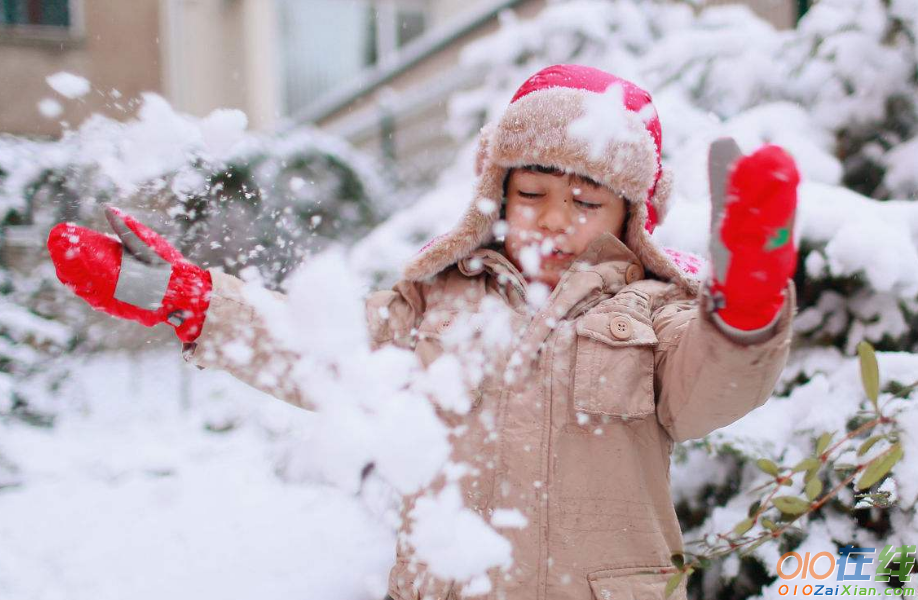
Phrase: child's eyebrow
pixel 591 183
pixel 558 172
pixel 540 169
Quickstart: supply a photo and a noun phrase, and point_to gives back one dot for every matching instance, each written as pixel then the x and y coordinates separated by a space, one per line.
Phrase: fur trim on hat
pixel 533 130
pixel 481 155
pixel 474 229
pixel 652 256
pixel 662 193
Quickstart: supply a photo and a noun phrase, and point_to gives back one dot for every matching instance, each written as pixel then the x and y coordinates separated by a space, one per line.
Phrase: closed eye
pixel 530 194
pixel 587 205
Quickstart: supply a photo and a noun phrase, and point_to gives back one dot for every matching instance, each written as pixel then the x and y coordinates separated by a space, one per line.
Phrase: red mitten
pixel 137 276
pixel 752 245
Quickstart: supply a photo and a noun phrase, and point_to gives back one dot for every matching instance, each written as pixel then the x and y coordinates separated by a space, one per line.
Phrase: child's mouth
pixel 558 255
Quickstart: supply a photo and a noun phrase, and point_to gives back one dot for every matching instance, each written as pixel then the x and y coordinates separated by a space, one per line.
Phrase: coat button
pixel 621 328
pixel 633 273
pixel 444 325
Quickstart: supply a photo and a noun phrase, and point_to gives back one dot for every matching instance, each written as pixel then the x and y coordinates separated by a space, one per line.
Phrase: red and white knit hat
pixel 534 130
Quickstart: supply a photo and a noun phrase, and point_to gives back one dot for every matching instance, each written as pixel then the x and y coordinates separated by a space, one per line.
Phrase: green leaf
pixel 791 505
pixel 672 583
pixel 705 562
pixel 786 517
pixel 879 499
pixel 787 481
pixel 810 473
pixel 678 560
pixel 767 466
pixel 879 467
pixel 806 464
pixel 868 444
pixel 844 467
pixel 823 442
pixel 769 524
pixel 813 489
pixel 754 508
pixel 743 526
pixel 870 372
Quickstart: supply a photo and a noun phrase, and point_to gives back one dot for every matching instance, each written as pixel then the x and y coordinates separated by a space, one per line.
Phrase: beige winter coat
pixel 615 368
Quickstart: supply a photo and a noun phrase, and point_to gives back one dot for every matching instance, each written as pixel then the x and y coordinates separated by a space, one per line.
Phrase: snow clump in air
pixel 50 108
pixel 68 85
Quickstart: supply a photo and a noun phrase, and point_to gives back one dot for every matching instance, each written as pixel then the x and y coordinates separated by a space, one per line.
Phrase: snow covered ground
pixel 130 496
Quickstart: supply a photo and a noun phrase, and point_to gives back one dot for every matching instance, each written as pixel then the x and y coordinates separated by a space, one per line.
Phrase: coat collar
pixel 606 266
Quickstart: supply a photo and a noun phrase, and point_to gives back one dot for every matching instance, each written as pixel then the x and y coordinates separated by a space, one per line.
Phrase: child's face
pixel 553 217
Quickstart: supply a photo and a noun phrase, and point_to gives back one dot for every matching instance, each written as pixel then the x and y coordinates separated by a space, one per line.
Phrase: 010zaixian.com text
pixel 812 575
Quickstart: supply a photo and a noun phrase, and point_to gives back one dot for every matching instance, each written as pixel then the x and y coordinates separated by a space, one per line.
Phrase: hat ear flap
pixel 483 153
pixel 662 193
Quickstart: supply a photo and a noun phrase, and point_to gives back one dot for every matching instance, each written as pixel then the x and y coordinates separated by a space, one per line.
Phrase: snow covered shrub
pixel 840 92
pixel 233 199
pixel 28 345
pixel 226 197
pixel 281 199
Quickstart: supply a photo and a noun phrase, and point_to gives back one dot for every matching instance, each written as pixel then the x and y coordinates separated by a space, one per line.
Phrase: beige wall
pixel 200 54
pixel 118 49
pixel 222 54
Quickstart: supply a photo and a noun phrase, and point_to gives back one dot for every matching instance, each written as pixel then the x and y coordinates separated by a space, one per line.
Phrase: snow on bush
pixel 840 94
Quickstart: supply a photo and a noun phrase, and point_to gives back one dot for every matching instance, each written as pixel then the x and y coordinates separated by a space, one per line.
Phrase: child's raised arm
pixel 141 277
pixel 720 358
pixel 236 339
pixel 706 380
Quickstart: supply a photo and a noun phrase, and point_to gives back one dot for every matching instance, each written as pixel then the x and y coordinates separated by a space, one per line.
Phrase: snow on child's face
pixel 553 216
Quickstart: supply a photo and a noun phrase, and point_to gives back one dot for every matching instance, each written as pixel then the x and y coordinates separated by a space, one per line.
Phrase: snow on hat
pixel 580 120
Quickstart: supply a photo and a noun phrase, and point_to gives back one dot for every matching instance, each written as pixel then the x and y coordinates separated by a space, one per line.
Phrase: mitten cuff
pixel 747 337
pixel 187 300
pixel 743 336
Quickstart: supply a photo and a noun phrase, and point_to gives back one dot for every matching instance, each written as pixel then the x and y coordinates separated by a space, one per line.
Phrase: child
pixel 625 356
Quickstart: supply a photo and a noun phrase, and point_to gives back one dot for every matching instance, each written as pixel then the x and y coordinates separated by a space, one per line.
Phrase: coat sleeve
pixel 236 339
pixel 704 376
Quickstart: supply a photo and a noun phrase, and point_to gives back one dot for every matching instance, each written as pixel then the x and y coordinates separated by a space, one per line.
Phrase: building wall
pixel 222 54
pixel 118 49
pixel 202 63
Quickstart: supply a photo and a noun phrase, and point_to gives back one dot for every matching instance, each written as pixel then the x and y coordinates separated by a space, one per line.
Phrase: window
pixel 411 24
pixel 47 13
pixel 328 43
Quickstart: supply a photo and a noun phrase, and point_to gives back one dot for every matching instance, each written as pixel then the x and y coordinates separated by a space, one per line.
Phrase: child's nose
pixel 555 216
